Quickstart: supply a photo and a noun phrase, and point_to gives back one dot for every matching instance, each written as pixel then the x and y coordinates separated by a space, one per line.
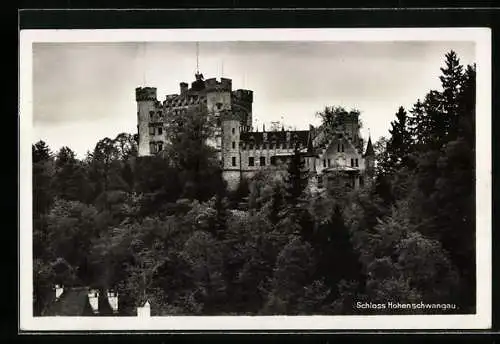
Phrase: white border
pixel 481 320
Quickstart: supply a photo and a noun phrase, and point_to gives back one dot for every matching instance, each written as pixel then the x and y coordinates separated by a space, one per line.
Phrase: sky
pixel 84 92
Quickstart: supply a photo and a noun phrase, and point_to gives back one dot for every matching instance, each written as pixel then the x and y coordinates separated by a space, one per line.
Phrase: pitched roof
pixel 73 302
pixel 369 148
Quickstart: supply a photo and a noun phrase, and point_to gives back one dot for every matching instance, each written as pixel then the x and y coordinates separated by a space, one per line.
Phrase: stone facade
pixel 242 150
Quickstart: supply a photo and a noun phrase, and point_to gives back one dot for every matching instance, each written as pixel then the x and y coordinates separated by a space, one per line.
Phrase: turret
pixel 369 158
pixel 242 103
pixel 146 106
pixel 183 87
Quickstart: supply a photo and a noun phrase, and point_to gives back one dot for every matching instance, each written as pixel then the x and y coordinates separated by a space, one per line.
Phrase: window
pixel 320 181
pixel 273 160
pixel 338 147
pixel 324 163
pixel 233 161
pixel 356 162
pixel 151 114
pixel 151 148
pixel 328 162
pixel 234 145
pixel 151 130
pixel 160 147
pixel 342 148
pixel 160 131
pixel 352 162
pixel 251 161
pixel 233 130
pixel 262 161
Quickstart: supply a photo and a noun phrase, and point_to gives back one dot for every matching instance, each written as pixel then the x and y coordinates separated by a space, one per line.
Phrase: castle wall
pixel 232 179
pixel 257 152
pixel 218 98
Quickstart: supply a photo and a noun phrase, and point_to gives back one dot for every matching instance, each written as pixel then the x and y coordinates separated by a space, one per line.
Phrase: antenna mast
pixel 197 57
pixel 144 64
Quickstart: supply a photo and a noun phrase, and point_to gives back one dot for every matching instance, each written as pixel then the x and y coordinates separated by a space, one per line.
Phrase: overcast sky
pixel 84 92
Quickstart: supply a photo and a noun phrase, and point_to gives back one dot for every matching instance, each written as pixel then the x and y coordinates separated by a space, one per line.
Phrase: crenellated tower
pixel 146 108
pixel 242 101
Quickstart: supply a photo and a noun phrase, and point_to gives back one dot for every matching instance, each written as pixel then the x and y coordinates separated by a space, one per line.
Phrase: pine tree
pixel 419 123
pixel 41 152
pixel 399 145
pixel 293 214
pixel 43 171
pixel 296 179
pixel 452 81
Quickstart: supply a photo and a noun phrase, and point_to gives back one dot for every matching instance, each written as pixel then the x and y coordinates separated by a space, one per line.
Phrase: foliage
pixel 165 228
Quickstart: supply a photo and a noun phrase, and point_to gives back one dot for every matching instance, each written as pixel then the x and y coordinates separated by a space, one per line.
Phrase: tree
pixel 69 179
pixel 296 179
pixel 41 152
pixel 399 144
pixel 71 227
pixel 293 271
pixel 452 81
pixel 43 172
pixel 188 151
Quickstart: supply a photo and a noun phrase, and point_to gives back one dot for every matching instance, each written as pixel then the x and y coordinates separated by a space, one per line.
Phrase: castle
pixel 242 150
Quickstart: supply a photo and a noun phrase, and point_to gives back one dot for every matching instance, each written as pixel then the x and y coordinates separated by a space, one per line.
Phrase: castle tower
pixel 242 107
pixel 218 95
pixel 231 159
pixel 146 105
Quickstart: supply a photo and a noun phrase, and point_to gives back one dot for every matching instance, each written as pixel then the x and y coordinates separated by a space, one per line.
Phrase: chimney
pixel 145 311
pixel 184 87
pixel 94 300
pixel 59 290
pixel 113 301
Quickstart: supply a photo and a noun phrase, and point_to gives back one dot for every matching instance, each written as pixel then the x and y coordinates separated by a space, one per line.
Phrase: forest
pixel 166 229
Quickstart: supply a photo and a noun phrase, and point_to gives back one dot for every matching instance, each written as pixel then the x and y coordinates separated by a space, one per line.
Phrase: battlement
pixel 223 85
pixel 145 93
pixel 243 95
